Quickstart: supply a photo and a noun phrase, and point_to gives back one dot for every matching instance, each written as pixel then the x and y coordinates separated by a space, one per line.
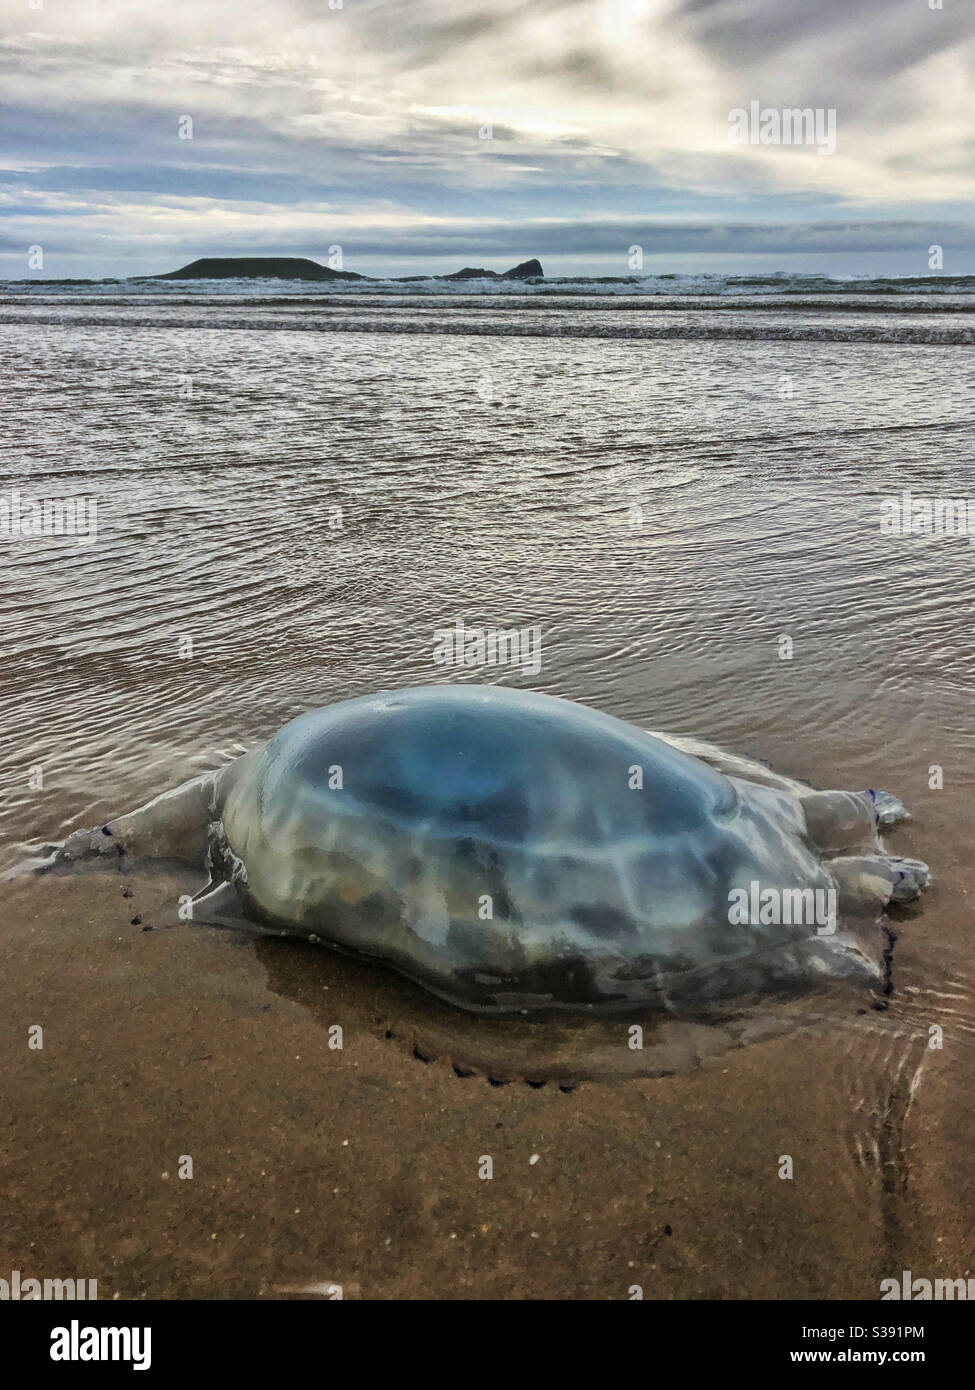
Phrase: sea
pixel 707 492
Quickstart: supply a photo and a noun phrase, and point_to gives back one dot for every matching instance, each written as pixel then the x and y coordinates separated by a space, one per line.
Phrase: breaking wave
pixel 935 310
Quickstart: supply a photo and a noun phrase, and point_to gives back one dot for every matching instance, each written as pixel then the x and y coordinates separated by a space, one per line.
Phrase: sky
pixel 425 135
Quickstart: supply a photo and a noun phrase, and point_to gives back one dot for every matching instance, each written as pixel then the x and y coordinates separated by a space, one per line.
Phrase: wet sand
pixel 314 1166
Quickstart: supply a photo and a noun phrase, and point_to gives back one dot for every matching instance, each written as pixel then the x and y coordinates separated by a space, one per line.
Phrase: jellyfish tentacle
pixel 173 825
pixel 874 880
pixel 838 821
pixel 888 809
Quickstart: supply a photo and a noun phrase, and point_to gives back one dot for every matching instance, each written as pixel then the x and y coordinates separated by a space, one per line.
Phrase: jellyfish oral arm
pixel 174 825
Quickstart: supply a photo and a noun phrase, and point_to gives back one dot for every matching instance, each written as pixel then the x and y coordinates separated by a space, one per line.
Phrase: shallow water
pixel 492 480
pixel 493 476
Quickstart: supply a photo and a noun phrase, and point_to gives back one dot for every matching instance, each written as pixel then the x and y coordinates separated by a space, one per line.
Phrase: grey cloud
pixel 591 116
pixel 831 52
pixel 612 237
pixel 607 239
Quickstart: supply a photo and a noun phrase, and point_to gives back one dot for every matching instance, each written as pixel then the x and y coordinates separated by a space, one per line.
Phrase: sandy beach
pixel 314 1167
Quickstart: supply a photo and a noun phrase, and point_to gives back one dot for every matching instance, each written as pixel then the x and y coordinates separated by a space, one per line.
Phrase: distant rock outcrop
pixel 468 273
pixel 258 268
pixel 528 270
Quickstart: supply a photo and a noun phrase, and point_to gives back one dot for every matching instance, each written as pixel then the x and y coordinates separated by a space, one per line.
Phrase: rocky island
pixel 257 268
pixel 300 268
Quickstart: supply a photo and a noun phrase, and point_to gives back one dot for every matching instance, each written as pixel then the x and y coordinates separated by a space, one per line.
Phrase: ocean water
pixel 936 309
pixel 294 491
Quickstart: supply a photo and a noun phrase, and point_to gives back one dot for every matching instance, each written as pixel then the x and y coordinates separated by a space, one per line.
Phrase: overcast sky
pixel 362 126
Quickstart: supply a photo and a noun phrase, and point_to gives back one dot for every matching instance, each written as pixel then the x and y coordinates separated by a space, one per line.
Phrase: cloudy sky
pixel 364 126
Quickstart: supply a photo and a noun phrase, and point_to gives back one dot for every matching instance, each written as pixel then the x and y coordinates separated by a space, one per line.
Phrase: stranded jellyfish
pixel 515 852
